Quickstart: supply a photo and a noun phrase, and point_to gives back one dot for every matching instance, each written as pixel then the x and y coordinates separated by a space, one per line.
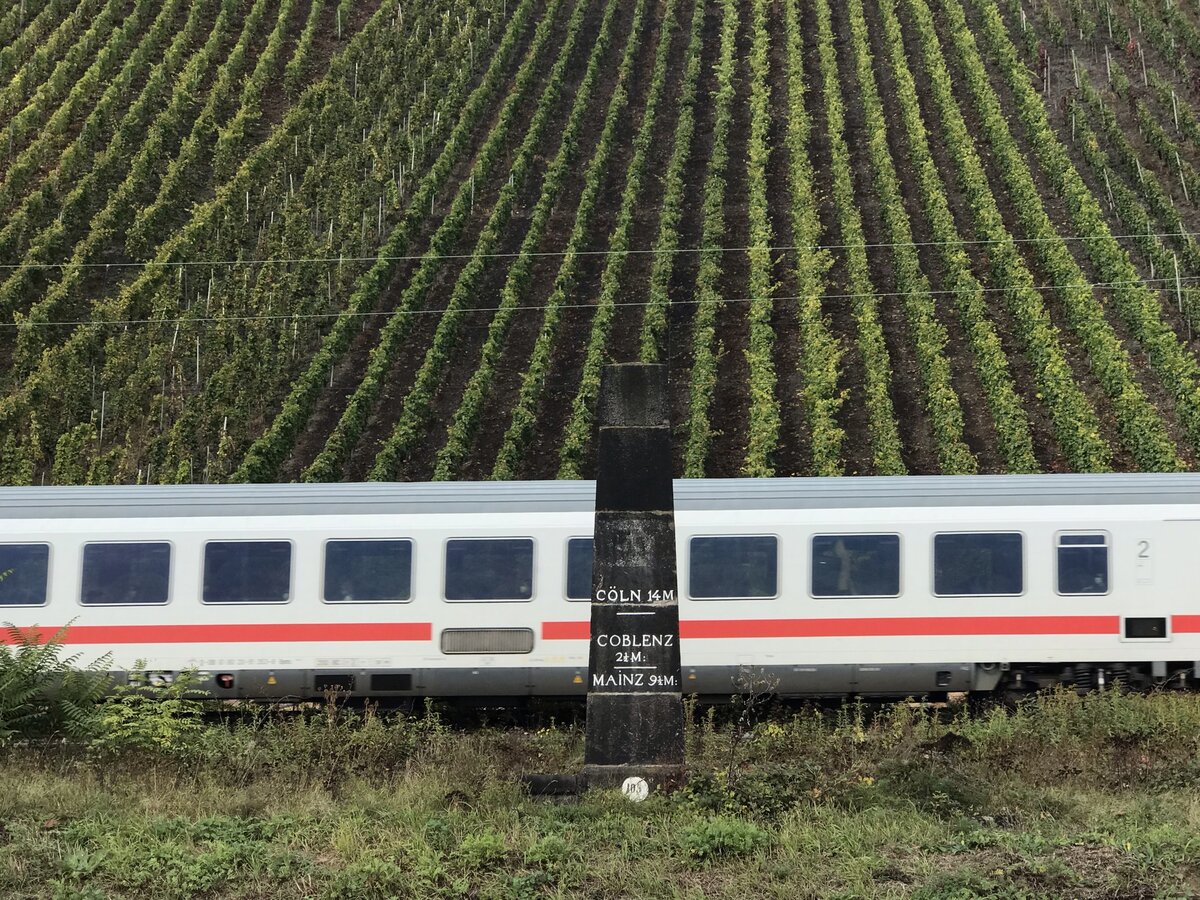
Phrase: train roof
pixel 384 498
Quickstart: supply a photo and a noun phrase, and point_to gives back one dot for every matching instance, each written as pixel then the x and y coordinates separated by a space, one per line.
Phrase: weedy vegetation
pixel 152 792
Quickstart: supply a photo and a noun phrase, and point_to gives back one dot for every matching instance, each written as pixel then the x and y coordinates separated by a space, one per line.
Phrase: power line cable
pixel 635 251
pixel 204 320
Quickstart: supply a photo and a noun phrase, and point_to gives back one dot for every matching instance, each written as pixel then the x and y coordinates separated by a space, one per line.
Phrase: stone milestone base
pixel 635 731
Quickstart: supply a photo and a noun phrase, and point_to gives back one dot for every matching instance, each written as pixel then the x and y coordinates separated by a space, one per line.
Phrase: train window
pixel 978 564
pixel 1082 564
pixel 729 568
pixel 24 569
pixel 368 571
pixel 489 569
pixel 579 569
pixel 247 571
pixel 856 565
pixel 125 573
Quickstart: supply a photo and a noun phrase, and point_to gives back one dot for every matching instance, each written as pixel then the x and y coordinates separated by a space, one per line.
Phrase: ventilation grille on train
pixel 487 640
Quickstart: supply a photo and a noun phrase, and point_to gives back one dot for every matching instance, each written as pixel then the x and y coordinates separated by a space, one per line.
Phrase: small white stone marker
pixel 635 789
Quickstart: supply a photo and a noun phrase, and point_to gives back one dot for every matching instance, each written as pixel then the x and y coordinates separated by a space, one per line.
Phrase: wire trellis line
pixel 633 251
pixel 334 314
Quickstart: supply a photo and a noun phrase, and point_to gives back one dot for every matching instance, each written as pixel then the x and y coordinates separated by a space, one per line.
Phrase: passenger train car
pixel 808 587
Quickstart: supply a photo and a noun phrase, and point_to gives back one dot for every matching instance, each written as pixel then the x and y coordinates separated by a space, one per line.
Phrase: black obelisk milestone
pixel 634 701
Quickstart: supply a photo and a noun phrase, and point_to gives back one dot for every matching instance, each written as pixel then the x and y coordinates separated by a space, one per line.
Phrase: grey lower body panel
pixel 518 681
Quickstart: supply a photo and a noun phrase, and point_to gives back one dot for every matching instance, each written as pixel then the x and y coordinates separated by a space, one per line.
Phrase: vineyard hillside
pixel 323 240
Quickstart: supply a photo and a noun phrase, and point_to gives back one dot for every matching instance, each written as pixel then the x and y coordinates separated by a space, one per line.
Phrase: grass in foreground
pixel 1064 797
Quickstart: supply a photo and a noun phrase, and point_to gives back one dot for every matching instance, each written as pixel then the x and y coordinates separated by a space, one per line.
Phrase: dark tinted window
pixel 23 571
pixel 579 569
pixel 966 564
pixel 247 571
pixel 490 569
pixel 365 571
pixel 856 565
pixel 1082 564
pixel 1155 627
pixel 733 567
pixel 126 573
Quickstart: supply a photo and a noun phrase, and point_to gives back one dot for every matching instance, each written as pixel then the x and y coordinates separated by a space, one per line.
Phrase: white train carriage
pixel 809 587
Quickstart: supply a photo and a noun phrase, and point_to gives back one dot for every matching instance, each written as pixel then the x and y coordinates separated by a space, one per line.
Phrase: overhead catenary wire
pixel 632 251
pixel 334 314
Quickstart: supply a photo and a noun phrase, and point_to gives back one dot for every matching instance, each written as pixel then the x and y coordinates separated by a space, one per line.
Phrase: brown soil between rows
pixel 1023 369
pixel 353 363
pixel 566 367
pixel 553 242
pixel 677 351
pixel 1056 209
pixel 908 390
pixel 729 409
pixel 979 428
pixel 857 454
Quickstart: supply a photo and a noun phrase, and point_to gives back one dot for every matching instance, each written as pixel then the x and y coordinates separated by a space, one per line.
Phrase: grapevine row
pixel 820 351
pixel 666 245
pixel 884 435
pixel 578 430
pixel 991 364
pixel 415 414
pixel 296 70
pixel 267 454
pixel 1141 428
pixel 1076 425
pixel 941 400
pixel 708 299
pixel 763 438
pixel 354 418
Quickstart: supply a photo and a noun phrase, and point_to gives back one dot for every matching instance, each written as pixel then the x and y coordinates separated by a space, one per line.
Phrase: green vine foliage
pixel 140 716
pixel 44 692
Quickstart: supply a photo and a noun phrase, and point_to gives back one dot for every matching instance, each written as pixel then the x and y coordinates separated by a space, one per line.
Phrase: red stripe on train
pixel 1185 624
pixel 907 626
pixel 237 634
